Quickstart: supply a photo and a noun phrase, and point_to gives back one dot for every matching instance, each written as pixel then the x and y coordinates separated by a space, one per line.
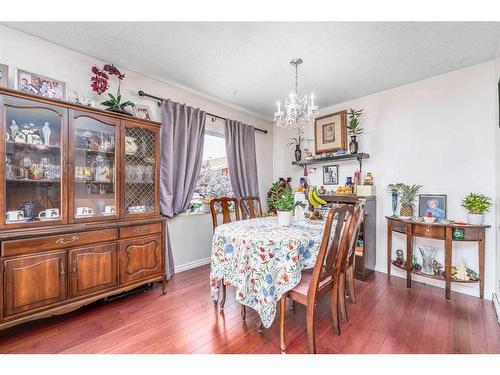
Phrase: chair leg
pixel 223 299
pixel 282 324
pixel 311 339
pixel 335 311
pixel 352 293
pixel 341 286
pixel 243 311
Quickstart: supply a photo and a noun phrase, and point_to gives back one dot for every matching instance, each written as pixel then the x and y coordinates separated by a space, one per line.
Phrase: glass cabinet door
pixel 93 167
pixel 33 143
pixel 140 145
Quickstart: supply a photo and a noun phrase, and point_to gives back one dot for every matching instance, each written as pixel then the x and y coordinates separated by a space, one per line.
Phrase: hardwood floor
pixel 387 318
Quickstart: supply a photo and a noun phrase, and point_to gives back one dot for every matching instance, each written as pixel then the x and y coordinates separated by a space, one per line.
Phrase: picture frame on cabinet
pixel 331 174
pixel 434 204
pixel 330 132
pixel 4 75
pixel 142 111
pixel 36 84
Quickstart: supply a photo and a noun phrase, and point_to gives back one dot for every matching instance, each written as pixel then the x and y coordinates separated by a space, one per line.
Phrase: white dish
pixel 86 215
pixel 429 220
pixel 16 221
pixel 108 214
pixel 49 218
pixel 405 217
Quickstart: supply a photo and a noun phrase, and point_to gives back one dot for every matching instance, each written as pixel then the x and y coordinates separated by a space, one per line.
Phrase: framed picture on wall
pixel 37 84
pixel 4 75
pixel 433 205
pixel 330 175
pixel 142 111
pixel 330 132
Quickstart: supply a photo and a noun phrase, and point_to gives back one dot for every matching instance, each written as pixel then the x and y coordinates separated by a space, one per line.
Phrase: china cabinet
pixel 80 206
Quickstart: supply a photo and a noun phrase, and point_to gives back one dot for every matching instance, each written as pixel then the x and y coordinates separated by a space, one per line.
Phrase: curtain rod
pixel 160 100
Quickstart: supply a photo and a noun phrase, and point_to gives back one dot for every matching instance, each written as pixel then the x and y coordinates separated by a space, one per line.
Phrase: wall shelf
pixel 359 157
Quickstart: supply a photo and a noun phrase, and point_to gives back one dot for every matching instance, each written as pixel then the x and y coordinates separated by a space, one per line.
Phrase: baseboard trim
pixel 496 303
pixel 191 265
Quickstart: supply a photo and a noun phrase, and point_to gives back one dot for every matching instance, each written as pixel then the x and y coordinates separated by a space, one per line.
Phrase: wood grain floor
pixel 387 318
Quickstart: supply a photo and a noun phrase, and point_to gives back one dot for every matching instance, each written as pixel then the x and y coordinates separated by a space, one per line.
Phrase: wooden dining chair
pixel 323 278
pixel 348 268
pixel 250 207
pixel 224 204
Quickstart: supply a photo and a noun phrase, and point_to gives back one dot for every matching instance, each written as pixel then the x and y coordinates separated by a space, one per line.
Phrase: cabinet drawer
pixel 140 230
pixel 429 231
pixel 33 245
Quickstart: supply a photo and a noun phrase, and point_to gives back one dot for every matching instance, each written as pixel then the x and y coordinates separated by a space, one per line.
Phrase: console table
pixel 441 232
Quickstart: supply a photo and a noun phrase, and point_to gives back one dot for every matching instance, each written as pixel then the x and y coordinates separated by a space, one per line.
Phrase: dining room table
pixel 263 260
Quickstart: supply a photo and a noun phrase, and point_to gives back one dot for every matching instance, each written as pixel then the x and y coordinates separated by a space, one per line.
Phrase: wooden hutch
pixel 80 206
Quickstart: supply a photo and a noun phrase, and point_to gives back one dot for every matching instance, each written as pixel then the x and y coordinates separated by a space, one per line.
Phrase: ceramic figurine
pixel 46 134
pixel 368 179
pixel 399 255
pixel 472 274
pixel 14 129
pixel 462 272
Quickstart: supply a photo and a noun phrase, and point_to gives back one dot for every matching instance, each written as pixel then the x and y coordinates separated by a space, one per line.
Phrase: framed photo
pixel 142 111
pixel 433 204
pixel 36 84
pixel 4 75
pixel 330 175
pixel 330 132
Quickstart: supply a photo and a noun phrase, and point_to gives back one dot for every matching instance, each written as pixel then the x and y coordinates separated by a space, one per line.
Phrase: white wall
pixel 191 236
pixel 439 133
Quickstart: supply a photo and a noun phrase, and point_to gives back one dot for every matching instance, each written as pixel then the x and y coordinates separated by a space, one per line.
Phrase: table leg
pixel 481 262
pixel 389 246
pixel 409 254
pixel 448 246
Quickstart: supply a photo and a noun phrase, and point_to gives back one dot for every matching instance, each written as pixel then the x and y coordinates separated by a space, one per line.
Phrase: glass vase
pixel 394 204
pixel 428 256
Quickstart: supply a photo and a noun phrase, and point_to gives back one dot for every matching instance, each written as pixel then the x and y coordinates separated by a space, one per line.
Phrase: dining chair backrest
pixel 224 204
pixel 333 249
pixel 358 217
pixel 250 207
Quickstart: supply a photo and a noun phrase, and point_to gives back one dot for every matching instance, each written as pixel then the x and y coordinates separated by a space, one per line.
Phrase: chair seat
pixel 305 280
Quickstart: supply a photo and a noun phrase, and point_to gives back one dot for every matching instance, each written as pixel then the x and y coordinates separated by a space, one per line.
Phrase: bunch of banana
pixel 314 199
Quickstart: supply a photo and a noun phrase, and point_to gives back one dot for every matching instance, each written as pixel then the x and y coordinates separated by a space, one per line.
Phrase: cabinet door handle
pixel 62 241
pixel 75 267
pixel 141 229
pixel 63 272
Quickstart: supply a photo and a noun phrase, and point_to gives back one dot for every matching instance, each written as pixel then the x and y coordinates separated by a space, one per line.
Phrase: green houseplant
pixel 354 129
pixel 408 195
pixel 285 203
pixel 476 205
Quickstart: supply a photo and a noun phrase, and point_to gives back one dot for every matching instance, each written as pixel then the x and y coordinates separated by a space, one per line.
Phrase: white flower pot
pixel 285 218
pixel 475 219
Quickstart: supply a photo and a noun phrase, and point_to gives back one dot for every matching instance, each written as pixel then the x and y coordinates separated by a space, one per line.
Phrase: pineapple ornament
pixel 408 194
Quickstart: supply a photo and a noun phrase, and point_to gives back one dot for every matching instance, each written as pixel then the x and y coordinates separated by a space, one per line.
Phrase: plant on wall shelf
pixel 297 142
pixel 100 84
pixel 354 129
pixel 476 205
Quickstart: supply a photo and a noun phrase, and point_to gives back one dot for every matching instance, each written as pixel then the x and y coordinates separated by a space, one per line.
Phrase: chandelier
pixel 299 109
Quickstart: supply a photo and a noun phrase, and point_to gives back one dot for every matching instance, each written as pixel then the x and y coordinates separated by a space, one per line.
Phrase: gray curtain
pixel 182 137
pixel 241 157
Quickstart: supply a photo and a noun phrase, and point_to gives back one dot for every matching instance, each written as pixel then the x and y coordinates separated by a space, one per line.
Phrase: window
pixel 213 181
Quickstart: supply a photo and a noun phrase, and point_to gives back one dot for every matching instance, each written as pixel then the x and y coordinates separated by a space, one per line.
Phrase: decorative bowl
pixel 429 220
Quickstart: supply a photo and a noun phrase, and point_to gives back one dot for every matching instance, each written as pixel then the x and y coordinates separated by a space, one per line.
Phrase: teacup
pixel 110 209
pixel 14 215
pixel 49 213
pixel 84 211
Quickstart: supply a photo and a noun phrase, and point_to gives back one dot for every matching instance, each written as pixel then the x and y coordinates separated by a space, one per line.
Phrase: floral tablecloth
pixel 263 260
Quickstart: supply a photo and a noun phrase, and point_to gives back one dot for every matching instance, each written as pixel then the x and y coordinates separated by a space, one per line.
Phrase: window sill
pixel 194 213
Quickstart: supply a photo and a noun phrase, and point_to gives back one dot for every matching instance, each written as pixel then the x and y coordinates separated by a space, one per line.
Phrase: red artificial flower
pixel 99 82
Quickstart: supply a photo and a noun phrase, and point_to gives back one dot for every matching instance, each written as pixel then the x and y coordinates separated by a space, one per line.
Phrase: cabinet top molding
pixel 79 107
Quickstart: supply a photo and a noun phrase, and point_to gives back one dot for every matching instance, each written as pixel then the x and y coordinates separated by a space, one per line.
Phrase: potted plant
pixel 354 130
pixel 100 84
pixel 476 205
pixel 284 202
pixel 297 142
pixel 408 194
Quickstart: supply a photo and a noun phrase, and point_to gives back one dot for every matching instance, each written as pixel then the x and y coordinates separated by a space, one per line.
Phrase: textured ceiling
pixel 247 64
